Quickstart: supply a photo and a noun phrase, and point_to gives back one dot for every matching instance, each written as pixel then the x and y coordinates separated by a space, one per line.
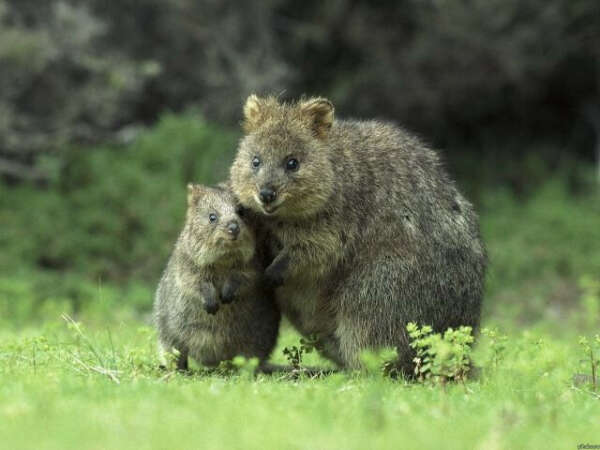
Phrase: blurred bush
pixel 114 212
pixel 539 249
pixel 459 69
pixel 45 296
pixel 56 84
pixel 550 236
pixel 90 71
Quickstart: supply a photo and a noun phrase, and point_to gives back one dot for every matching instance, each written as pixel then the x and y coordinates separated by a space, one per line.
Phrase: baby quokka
pixel 210 303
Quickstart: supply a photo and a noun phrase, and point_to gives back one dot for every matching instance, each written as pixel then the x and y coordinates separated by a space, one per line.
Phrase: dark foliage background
pixel 469 75
pixel 107 109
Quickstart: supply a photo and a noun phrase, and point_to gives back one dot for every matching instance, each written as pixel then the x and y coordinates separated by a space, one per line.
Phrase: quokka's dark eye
pixel 212 217
pixel 255 162
pixel 240 211
pixel 292 164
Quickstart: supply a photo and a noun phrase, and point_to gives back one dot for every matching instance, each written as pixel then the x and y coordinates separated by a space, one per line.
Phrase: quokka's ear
pixel 254 113
pixel 194 193
pixel 318 112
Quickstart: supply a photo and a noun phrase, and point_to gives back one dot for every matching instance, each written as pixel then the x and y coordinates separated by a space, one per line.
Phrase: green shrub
pixel 441 357
pixel 550 236
pixel 112 214
pixel 44 296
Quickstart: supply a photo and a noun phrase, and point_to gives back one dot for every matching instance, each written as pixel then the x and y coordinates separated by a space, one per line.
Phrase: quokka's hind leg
pixel 376 302
pixel 163 355
pixel 167 354
pixel 182 360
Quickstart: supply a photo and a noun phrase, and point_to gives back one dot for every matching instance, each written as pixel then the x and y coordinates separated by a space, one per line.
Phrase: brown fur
pixel 368 234
pixel 208 268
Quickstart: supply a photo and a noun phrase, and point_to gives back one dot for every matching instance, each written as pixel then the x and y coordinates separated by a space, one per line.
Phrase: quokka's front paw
pixel 211 307
pixel 275 273
pixel 229 290
pixel 273 277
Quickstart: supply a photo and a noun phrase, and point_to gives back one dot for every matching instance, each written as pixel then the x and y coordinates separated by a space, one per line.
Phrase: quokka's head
pixel 283 167
pixel 215 232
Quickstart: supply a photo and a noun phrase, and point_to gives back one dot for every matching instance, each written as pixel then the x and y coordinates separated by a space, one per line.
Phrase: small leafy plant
pixel 294 353
pixel 246 367
pixel 497 345
pixel 591 350
pixel 590 300
pixel 441 358
pixel 383 362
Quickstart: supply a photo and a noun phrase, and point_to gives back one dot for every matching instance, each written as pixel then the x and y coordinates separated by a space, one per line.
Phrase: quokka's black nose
pixel 233 228
pixel 267 195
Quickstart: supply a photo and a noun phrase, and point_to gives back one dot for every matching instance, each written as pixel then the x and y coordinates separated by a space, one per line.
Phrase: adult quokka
pixel 210 303
pixel 368 231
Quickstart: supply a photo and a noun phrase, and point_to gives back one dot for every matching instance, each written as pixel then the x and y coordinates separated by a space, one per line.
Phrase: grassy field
pixel 65 386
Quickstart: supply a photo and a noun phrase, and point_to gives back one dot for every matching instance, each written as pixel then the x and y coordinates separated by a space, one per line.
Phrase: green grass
pixel 62 388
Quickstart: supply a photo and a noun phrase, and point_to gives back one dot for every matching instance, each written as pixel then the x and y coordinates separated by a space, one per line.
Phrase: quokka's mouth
pixel 228 241
pixel 270 209
pixel 231 251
